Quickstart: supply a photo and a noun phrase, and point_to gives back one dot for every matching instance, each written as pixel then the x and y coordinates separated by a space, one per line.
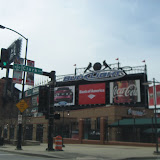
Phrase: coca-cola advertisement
pixel 125 92
pixel 92 94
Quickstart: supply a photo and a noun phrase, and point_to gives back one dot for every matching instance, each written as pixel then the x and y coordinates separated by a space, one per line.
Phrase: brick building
pixel 9 96
pixel 95 111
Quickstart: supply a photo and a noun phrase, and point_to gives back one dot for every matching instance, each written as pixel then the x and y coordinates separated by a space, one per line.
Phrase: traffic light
pixel 51 110
pixel 52 75
pixel 57 116
pixel 49 115
pixel 4 57
pixel 43 99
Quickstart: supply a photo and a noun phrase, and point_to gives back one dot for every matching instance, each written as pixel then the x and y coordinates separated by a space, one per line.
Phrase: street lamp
pixel 63 129
pixel 20 125
pixel 155 112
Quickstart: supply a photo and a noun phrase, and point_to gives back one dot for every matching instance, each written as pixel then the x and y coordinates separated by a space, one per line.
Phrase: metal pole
pixel 6 83
pixel 118 64
pixel 75 71
pixel 155 114
pixel 63 129
pixel 20 125
pixel 24 74
pixel 19 143
pixel 50 124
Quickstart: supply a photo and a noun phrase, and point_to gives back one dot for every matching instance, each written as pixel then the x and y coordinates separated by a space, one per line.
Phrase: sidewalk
pixel 84 151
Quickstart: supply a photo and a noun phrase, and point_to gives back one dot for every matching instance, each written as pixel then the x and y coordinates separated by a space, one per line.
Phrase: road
pixel 79 152
pixel 12 156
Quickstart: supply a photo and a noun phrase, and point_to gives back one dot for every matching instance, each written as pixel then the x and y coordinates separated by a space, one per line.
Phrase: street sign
pixel 19 119
pixel 22 105
pixel 19 67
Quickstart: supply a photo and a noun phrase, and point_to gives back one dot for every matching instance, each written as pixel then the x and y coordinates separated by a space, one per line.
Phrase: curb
pixel 32 154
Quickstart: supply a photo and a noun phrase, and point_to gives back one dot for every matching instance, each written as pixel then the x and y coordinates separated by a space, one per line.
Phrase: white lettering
pixel 97 76
pixel 131 90
pixel 91 91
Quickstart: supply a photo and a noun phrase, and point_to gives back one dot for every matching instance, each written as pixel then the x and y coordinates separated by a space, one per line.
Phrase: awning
pixel 135 121
pixel 151 130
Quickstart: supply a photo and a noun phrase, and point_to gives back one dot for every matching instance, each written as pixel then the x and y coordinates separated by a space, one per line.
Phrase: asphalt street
pixel 79 152
pixel 13 156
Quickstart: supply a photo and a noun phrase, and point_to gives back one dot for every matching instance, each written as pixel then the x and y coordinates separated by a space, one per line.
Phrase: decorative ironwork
pixel 116 66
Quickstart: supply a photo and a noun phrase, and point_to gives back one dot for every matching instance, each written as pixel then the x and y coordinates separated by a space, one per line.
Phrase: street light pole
pixel 155 110
pixel 155 114
pixel 20 125
pixel 63 129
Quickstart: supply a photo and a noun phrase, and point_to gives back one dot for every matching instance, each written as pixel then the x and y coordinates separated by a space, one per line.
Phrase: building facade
pixel 101 105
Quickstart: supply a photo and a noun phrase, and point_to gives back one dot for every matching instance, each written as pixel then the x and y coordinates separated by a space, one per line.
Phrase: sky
pixel 62 33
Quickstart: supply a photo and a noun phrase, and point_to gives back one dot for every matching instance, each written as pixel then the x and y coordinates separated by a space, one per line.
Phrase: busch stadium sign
pixel 102 75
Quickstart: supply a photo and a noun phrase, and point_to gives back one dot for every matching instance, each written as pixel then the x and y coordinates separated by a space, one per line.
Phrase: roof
pixel 136 121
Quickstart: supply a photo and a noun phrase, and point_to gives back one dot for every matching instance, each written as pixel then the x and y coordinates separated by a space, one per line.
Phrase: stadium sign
pixel 102 75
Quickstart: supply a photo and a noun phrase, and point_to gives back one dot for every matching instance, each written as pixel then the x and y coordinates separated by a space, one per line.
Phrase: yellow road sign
pixel 22 105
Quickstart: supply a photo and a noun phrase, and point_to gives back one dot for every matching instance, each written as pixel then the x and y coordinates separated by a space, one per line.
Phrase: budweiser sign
pixel 125 91
pixel 97 76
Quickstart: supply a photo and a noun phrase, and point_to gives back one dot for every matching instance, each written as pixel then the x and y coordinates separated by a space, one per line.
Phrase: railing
pixel 128 70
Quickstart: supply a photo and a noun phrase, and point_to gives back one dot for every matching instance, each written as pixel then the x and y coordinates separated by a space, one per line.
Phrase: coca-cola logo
pixel 131 90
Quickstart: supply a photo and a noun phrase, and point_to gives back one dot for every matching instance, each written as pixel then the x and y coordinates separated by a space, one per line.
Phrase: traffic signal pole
pixel 6 82
pixel 20 125
pixel 51 118
pixel 50 114
pixel 19 142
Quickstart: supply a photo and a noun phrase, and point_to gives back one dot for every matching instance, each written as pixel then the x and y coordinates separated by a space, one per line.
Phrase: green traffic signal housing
pixel 4 57
pixel 4 63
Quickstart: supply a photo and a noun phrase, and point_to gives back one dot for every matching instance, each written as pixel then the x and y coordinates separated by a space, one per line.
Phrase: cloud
pixel 62 33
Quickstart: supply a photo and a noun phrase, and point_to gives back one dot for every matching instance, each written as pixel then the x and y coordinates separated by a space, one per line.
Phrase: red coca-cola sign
pixel 92 94
pixel 125 91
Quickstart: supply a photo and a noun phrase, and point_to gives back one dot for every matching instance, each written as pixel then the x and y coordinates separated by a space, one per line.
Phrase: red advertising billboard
pixel 92 94
pixel 125 91
pixel 30 75
pixel 151 96
pixel 17 75
pixel 158 94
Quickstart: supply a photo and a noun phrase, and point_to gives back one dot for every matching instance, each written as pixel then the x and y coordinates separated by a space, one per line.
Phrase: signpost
pixel 63 104
pixel 19 67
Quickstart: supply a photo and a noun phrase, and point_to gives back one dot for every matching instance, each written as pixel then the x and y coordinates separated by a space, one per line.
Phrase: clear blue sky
pixel 62 33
